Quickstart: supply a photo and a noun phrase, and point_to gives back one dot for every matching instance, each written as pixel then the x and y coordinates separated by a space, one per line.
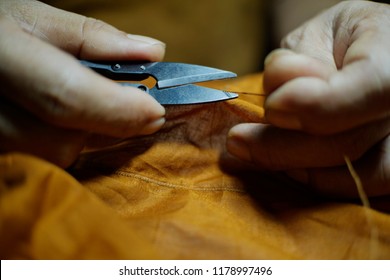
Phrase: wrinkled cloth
pixel 178 194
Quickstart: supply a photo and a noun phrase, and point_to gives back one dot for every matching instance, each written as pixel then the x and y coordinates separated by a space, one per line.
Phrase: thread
pixel 374 235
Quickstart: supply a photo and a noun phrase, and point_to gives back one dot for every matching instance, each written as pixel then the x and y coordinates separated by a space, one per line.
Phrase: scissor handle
pixel 120 71
pixel 139 86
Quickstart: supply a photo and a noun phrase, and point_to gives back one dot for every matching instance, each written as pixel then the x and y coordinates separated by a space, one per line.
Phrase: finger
pixel 22 132
pixel 83 37
pixel 350 98
pixel 269 147
pixel 316 39
pixel 372 169
pixel 56 88
pixel 283 65
pixel 356 94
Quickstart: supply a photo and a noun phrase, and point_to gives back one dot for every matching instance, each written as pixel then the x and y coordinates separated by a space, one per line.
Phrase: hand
pixel 328 97
pixel 48 101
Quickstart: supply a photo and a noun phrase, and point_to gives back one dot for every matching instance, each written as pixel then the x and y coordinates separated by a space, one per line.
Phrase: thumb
pixel 59 90
pixel 83 37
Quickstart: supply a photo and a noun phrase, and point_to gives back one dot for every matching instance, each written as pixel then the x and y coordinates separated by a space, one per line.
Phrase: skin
pixel 49 103
pixel 328 96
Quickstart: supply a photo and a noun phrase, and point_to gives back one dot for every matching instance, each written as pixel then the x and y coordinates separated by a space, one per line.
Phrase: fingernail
pixel 275 53
pixel 238 147
pixel 152 127
pixel 299 175
pixel 145 39
pixel 283 119
pixel 268 59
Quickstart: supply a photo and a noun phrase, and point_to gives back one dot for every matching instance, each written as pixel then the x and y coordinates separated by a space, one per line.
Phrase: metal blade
pixel 167 74
pixel 189 94
pixel 170 74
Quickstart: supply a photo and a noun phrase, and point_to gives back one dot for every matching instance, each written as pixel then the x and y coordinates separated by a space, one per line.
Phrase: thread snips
pixel 172 82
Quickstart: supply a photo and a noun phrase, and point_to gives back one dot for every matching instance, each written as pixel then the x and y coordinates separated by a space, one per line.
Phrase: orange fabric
pixel 178 195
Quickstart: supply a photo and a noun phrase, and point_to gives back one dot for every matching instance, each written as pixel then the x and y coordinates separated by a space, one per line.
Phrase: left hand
pixel 328 97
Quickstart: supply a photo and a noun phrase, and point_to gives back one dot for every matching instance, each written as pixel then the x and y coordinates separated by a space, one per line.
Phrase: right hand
pixel 49 102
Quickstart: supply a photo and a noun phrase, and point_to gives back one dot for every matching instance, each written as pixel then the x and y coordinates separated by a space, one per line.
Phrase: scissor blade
pixel 189 94
pixel 167 74
pixel 170 74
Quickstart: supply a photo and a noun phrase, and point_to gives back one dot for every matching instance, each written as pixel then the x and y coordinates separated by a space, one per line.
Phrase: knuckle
pixel 352 144
pixel 54 107
pixel 58 104
pixel 92 24
pixel 271 157
pixel 292 40
pixel 89 27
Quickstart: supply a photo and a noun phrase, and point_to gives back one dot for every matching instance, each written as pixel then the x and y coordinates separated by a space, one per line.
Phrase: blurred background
pixel 234 35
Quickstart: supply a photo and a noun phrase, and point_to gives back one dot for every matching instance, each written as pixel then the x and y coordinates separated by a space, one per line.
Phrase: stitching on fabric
pixel 175 186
